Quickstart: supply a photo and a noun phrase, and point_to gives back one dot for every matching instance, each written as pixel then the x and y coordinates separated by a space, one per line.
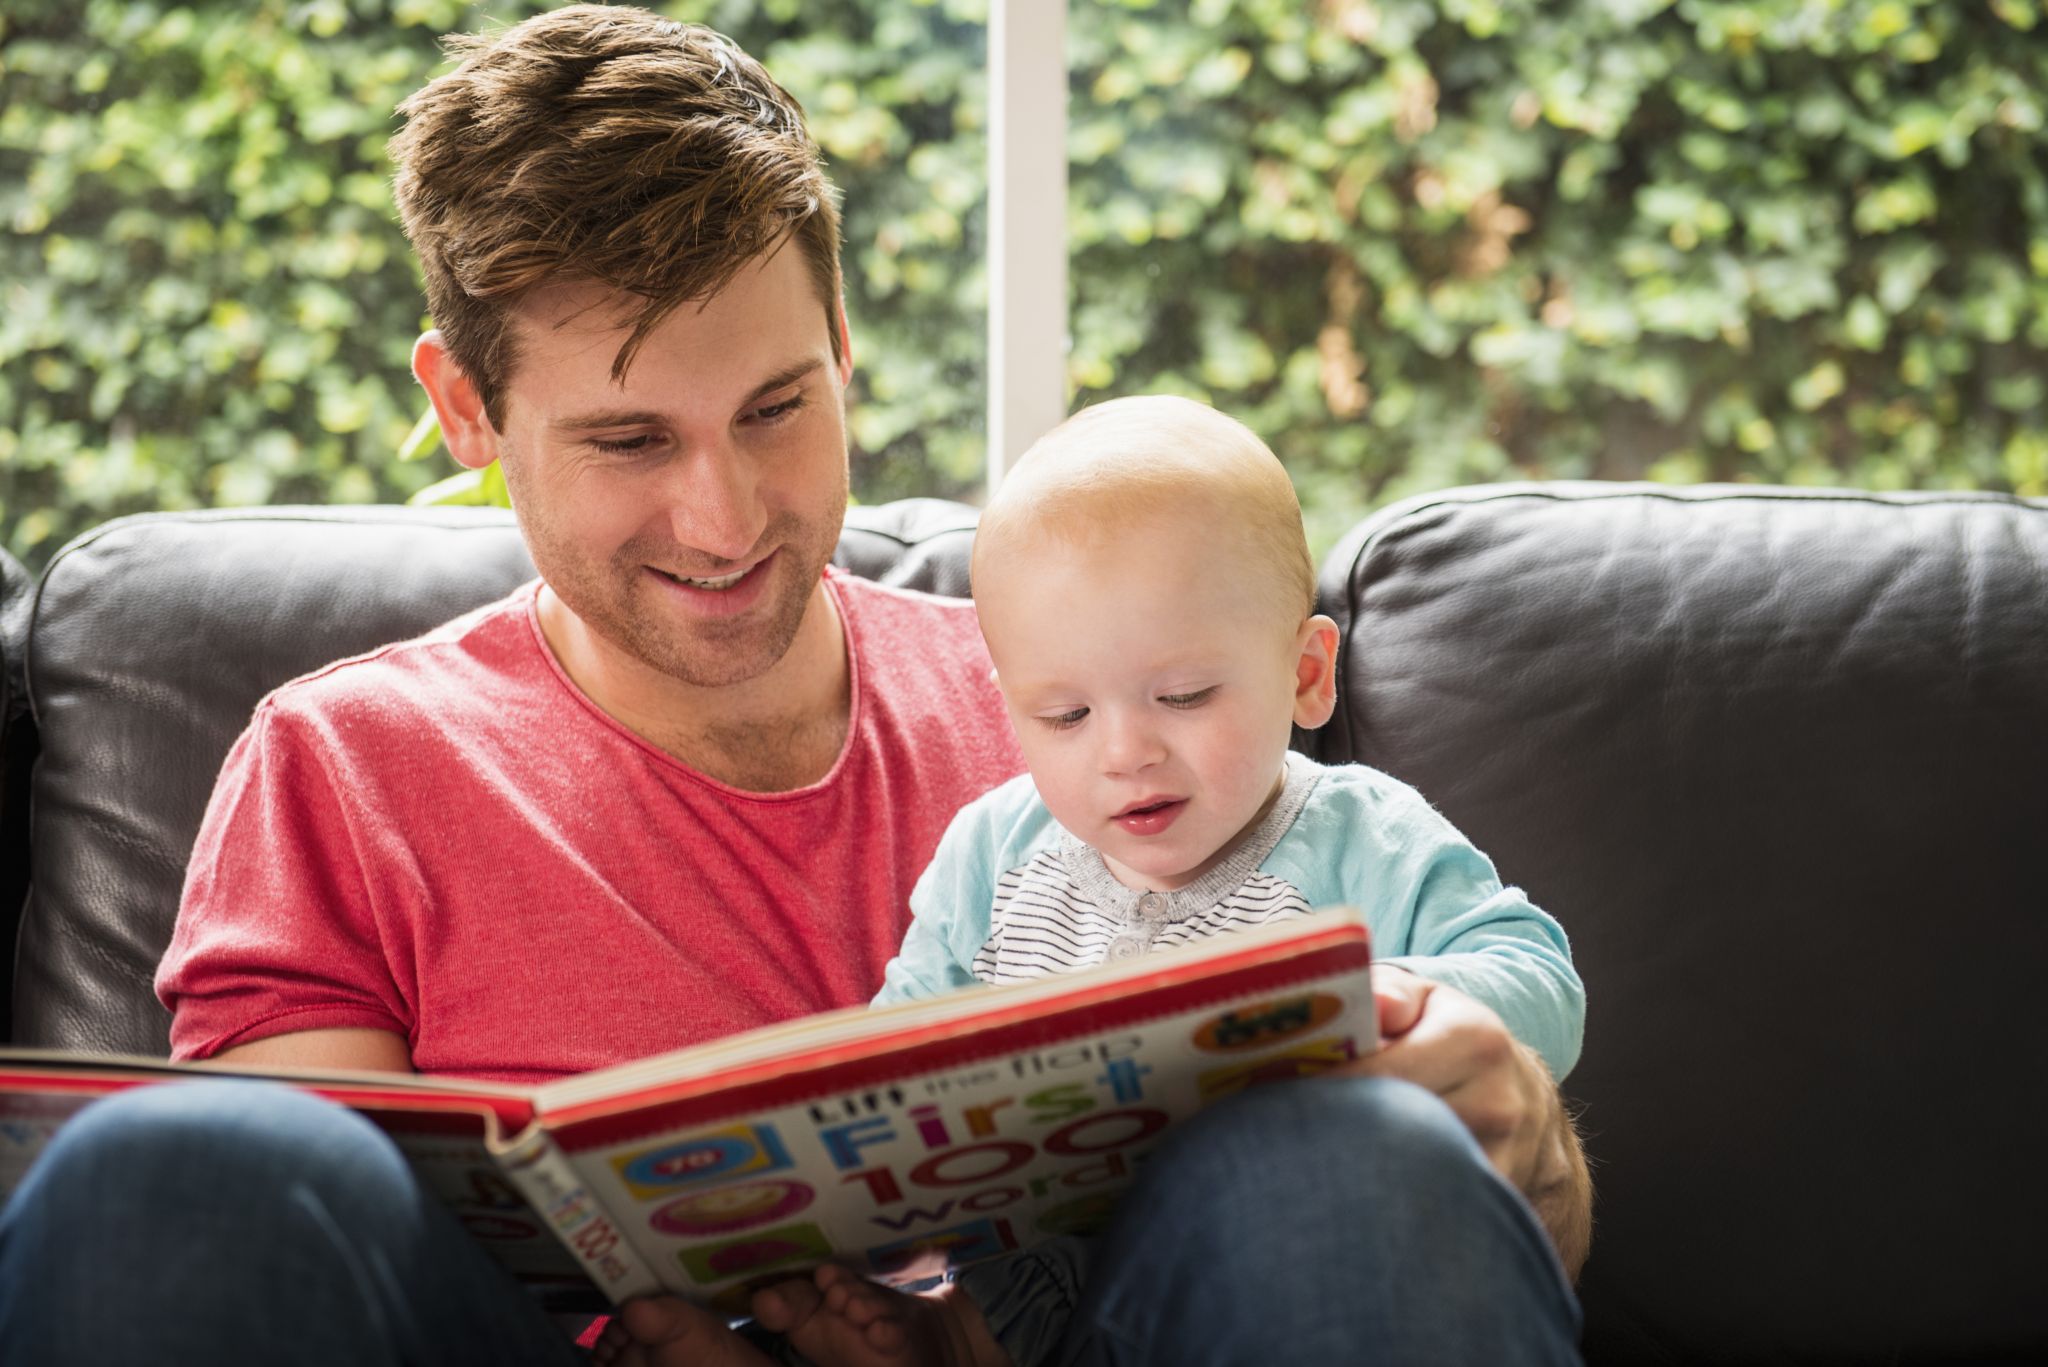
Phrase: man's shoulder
pixel 922 655
pixel 886 611
pixel 418 673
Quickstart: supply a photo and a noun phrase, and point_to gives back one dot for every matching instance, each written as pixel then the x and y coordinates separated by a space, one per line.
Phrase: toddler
pixel 1147 596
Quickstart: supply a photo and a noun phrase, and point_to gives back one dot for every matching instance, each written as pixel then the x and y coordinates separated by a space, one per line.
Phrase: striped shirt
pixel 1011 894
pixel 1064 910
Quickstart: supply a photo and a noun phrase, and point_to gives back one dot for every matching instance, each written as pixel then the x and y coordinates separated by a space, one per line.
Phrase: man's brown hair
pixel 607 145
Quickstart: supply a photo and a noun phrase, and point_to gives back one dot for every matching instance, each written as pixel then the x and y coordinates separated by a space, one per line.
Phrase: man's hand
pixel 1439 1038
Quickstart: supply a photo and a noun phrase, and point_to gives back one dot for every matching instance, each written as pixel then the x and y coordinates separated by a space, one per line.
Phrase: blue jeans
pixel 1330 1221
pixel 211 1222
pixel 231 1222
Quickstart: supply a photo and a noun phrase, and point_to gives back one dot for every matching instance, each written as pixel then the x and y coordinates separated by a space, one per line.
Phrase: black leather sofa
pixel 1777 759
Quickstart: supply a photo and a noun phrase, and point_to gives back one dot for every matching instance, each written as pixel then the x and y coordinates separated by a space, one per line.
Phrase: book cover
pixel 901 1141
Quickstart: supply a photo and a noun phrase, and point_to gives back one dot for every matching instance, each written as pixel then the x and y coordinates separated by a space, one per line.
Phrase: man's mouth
pixel 714 583
pixel 724 581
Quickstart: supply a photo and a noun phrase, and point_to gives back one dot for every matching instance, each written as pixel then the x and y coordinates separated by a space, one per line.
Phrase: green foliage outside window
pixel 1414 244
pixel 1422 244
pixel 205 298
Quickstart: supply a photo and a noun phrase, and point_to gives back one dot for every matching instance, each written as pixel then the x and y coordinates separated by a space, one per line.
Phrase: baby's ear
pixel 1315 672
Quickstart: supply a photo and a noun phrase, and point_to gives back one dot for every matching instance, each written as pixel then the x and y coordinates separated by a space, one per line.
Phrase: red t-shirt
pixel 447 839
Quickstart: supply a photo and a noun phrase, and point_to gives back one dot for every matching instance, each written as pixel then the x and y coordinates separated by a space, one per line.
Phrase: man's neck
pixel 780 731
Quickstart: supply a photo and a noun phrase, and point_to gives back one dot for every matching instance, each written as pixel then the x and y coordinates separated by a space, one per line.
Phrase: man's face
pixel 686 514
pixel 1151 688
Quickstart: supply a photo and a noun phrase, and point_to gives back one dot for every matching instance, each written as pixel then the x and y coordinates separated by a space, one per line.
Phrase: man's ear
pixel 1315 672
pixel 845 344
pixel 465 428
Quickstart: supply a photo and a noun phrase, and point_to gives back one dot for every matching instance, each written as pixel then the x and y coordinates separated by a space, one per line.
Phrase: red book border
pixel 410 1110
pixel 938 1046
pixel 770 1084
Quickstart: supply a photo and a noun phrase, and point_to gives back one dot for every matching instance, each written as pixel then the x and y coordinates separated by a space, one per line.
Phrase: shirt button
pixel 1152 906
pixel 1125 948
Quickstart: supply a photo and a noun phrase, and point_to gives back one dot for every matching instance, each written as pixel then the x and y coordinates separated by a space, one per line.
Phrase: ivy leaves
pixel 1413 243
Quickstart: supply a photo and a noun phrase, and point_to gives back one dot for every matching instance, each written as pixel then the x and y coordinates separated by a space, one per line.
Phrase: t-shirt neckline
pixel 850 638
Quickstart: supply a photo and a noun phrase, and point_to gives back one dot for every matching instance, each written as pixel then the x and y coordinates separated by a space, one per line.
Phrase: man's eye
pixel 624 446
pixel 776 412
pixel 1066 721
pixel 1184 700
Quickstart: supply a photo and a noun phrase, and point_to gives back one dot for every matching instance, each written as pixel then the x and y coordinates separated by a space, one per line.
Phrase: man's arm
pixel 1561 1189
pixel 361 1050
pixel 1457 1047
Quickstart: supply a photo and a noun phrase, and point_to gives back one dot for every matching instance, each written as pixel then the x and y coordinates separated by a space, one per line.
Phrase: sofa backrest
pixel 152 640
pixel 1778 761
pixel 1775 759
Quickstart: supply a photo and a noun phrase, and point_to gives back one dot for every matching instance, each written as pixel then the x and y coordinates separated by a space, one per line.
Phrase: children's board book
pixel 900 1140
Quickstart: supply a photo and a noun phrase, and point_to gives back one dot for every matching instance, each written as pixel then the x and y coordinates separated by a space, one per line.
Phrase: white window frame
pixel 1027 217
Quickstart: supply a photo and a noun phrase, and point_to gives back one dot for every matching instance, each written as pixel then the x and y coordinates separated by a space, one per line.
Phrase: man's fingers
pixel 1499 1090
pixel 1460 1050
pixel 1450 1037
pixel 1454 1042
pixel 1400 997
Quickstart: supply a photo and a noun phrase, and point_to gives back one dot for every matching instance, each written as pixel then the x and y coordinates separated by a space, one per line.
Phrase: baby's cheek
pixel 1064 790
pixel 1065 802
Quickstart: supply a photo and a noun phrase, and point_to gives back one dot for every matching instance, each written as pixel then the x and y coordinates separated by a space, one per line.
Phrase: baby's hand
pixel 840 1319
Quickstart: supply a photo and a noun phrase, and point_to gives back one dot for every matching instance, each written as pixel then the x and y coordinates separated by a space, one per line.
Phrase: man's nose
pixel 715 503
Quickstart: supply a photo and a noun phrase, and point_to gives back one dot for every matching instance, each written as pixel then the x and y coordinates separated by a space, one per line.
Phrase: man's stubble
pixel 619 603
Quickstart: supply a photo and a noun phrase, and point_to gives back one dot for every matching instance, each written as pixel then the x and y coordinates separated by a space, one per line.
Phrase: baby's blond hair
pixel 1109 469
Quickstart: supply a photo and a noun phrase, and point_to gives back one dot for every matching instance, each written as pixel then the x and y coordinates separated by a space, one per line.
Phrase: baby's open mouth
pixel 1151 816
pixel 1147 808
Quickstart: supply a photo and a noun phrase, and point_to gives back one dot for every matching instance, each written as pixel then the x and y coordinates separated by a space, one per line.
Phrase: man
pixel 679 787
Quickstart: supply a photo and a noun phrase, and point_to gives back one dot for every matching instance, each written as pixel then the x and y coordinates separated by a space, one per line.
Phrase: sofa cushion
pixel 913 543
pixel 155 637
pixel 1778 761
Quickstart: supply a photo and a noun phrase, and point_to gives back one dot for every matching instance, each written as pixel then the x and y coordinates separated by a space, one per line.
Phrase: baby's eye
pixel 1065 721
pixel 1186 700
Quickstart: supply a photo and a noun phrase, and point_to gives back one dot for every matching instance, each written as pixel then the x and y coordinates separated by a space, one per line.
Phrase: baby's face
pixel 1152 689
